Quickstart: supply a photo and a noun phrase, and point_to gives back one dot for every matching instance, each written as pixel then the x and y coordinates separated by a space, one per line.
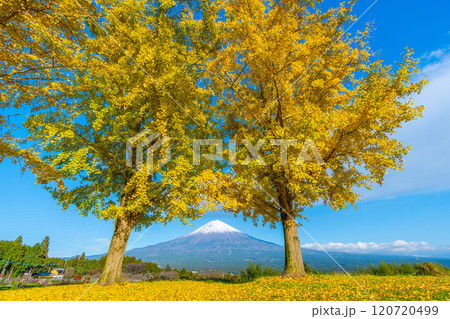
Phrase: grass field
pixel 314 287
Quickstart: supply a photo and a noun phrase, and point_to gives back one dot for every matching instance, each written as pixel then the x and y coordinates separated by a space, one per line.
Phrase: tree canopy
pixel 135 65
pixel 287 74
pixel 33 69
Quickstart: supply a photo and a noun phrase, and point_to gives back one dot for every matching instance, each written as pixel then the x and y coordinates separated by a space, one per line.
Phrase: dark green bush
pixel 405 268
pixel 252 272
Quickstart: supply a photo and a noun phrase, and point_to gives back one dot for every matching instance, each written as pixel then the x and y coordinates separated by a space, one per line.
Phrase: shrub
pixel 252 272
pixel 267 271
pixel 168 275
pixel 97 272
pixel 131 260
pixel 430 269
pixel 234 278
pixel 152 268
pixel 308 269
pixel 138 277
pixel 70 272
pixel 275 272
pixel 16 285
pixel 135 268
pixel 405 268
pixel 184 274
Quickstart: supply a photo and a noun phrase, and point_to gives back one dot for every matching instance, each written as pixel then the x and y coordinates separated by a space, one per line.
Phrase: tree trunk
pixel 112 272
pixel 293 261
pixel 10 273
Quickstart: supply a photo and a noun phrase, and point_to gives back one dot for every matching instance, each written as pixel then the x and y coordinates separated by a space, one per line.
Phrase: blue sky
pixel 409 214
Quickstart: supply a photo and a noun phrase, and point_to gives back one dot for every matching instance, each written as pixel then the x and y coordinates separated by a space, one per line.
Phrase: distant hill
pixel 220 247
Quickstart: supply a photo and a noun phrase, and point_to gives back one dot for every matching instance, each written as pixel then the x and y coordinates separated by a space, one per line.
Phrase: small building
pixel 58 271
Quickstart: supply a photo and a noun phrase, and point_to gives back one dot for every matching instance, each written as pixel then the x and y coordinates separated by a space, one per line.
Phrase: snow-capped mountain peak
pixel 216 226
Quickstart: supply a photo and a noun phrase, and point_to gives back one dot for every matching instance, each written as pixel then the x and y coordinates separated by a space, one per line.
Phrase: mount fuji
pixel 220 247
pixel 214 246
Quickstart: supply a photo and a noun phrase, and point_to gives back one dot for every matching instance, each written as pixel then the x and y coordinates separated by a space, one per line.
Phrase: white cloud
pixel 426 168
pixel 436 54
pixel 398 247
pixel 101 244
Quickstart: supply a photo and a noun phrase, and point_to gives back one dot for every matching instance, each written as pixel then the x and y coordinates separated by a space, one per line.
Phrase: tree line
pixel 92 77
pixel 16 257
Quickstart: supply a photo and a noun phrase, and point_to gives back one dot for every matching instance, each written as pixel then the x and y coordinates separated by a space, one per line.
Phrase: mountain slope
pixel 215 245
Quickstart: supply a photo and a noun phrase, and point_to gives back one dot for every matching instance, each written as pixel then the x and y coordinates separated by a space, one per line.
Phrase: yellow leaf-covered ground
pixel 323 287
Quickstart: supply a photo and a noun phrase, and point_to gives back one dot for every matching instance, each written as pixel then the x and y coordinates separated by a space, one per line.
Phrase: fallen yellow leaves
pixel 315 287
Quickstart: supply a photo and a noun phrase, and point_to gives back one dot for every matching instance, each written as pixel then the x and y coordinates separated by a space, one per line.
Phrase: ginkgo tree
pixel 138 67
pixel 31 33
pixel 289 81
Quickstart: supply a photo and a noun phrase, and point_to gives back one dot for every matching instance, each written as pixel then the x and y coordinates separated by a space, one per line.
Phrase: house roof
pixel 45 274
